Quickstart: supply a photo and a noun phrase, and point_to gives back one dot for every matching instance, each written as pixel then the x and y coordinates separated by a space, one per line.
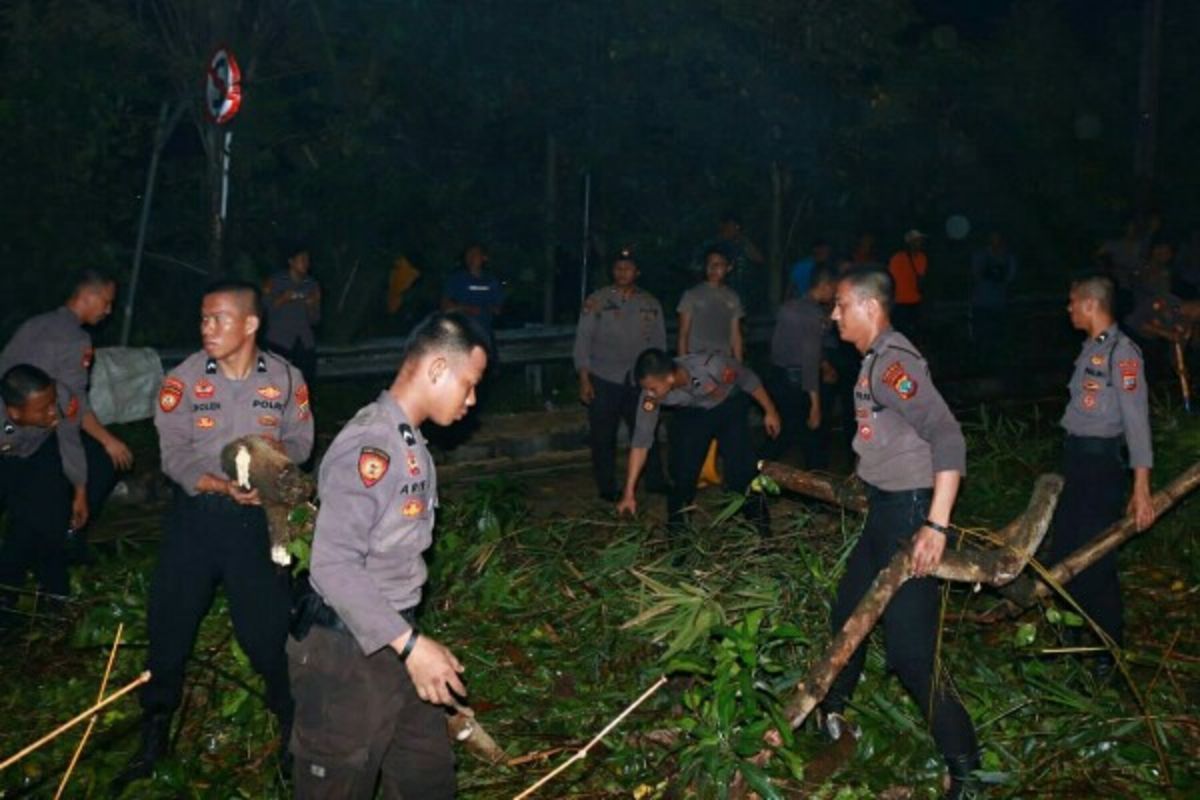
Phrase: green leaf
pixel 759 781
pixel 1025 634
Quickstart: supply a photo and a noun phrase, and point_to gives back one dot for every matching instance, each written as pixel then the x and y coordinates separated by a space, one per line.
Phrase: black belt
pixel 309 608
pixel 326 617
pixel 875 494
pixel 1094 445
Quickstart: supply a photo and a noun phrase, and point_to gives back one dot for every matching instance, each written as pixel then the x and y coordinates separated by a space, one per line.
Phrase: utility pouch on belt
pixel 306 607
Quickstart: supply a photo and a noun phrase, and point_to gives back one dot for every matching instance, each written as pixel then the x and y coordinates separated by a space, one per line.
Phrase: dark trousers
pixel 910 621
pixel 211 540
pixel 1093 498
pixel 358 718
pixel 614 403
pixel 37 499
pixel 692 429
pixel 101 475
pixel 794 406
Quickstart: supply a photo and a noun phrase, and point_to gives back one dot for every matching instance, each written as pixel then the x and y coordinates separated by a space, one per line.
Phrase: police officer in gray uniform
pixel 43 481
pixel 912 457
pixel 617 323
pixel 1108 408
pixel 795 378
pixel 709 392
pixel 368 687
pixel 56 343
pixel 216 532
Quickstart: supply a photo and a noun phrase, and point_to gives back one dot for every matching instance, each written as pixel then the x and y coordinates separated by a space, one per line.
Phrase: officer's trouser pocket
pixel 336 716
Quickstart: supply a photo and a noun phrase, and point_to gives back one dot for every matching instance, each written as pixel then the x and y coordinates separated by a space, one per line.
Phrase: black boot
pixel 963 783
pixel 156 735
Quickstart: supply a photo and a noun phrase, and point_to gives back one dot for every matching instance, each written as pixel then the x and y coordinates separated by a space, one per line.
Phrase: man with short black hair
pixel 472 291
pixel 216 531
pixel 292 299
pixel 912 457
pixel 43 481
pixel 1108 410
pixel 370 689
pixel 57 343
pixel 709 392
pixel 710 313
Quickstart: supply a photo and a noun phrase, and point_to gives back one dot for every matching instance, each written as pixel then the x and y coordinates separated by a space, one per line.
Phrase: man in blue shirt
pixel 801 272
pixel 473 293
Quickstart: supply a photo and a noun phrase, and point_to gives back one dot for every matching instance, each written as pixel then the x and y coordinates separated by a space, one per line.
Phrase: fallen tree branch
pixel 1018 542
pixel 78 718
pixel 1028 589
pixel 87 732
pixel 846 493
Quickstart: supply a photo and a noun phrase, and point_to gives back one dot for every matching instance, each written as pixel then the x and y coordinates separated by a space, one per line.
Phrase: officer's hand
pixel 627 505
pixel 121 455
pixel 927 551
pixel 242 496
pixel 1142 509
pixel 772 424
pixel 587 392
pixel 814 418
pixel 434 671
pixel 79 509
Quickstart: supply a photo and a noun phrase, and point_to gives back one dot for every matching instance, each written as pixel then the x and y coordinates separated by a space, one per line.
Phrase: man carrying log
pixel 1109 407
pixel 912 457
pixel 369 688
pixel 217 531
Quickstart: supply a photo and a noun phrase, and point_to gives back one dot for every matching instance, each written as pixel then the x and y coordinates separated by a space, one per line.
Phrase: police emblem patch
pixel 414 466
pixel 205 423
pixel 412 507
pixel 302 398
pixel 269 392
pixel 72 408
pixel 900 381
pixel 170 394
pixel 865 433
pixel 372 465
pixel 1129 374
pixel 267 421
pixel 1089 400
pixel 204 389
pixel 648 406
pixel 729 375
pixel 1097 360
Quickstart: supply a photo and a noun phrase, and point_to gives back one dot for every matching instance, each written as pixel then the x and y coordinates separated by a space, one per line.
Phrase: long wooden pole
pixel 112 659
pixel 78 718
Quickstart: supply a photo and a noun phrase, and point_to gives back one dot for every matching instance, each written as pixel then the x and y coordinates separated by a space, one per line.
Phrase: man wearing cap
pixel 43 481
pixel 912 457
pixel 370 689
pixel 292 298
pixel 57 343
pixel 216 532
pixel 1108 409
pixel 710 393
pixel 908 268
pixel 617 323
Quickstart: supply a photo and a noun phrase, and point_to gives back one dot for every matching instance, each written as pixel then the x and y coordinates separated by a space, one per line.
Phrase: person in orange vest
pixel 908 268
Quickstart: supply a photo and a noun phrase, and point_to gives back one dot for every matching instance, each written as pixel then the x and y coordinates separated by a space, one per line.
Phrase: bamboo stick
pixel 112 659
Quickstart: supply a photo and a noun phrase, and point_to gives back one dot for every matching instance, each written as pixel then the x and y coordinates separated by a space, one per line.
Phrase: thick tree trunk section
pixel 846 493
pixel 1028 590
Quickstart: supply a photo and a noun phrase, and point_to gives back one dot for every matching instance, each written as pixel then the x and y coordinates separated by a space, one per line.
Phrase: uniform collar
pixel 410 433
pixel 880 340
pixel 1106 334
pixel 210 365
pixel 9 426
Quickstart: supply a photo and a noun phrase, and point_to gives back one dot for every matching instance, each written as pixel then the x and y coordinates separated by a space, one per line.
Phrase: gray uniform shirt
pixel 905 431
pixel 796 342
pixel 200 411
pixel 712 378
pixel 1109 396
pixel 57 344
pixel 378 489
pixel 614 329
pixel 290 317
pixel 713 310
pixel 22 441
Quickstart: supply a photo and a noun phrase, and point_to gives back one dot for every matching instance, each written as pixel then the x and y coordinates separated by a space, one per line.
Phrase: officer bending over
pixel 711 394
pixel 43 481
pixel 912 457
pixel 369 687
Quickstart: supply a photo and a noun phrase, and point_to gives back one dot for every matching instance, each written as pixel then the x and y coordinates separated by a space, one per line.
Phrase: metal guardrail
pixel 543 344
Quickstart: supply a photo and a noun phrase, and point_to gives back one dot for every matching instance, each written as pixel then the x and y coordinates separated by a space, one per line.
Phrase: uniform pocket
pixel 332 726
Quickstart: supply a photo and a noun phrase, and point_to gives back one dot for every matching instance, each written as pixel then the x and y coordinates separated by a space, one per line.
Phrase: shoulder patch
pixel 372 465
pixel 170 394
pixel 302 399
pixel 1129 373
pixel 649 405
pixel 72 408
pixel 901 382
pixel 728 375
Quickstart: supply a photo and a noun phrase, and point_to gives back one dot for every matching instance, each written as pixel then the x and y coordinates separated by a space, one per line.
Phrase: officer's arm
pixel 350 510
pixel 811 334
pixel 582 352
pixel 180 460
pixel 640 443
pixel 314 304
pixel 903 384
pixel 685 332
pixel 296 433
pixel 1134 402
pixel 659 337
pixel 70 445
pixel 71 368
pixel 737 344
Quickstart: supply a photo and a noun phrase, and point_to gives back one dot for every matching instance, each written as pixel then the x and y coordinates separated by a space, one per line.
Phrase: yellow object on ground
pixel 709 474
